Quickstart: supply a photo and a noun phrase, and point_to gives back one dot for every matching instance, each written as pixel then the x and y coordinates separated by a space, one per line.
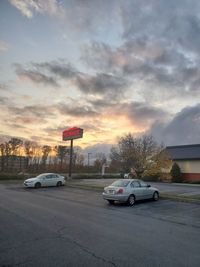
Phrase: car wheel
pixel 59 183
pixel 156 196
pixel 131 200
pixel 111 202
pixel 37 185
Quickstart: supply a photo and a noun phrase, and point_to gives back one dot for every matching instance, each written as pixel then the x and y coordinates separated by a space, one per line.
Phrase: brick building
pixel 188 159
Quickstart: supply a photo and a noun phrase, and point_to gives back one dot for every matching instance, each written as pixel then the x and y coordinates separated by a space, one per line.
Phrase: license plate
pixel 111 191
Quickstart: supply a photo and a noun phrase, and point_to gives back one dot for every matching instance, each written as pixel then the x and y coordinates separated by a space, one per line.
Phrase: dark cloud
pixel 3 87
pixel 184 128
pixel 143 114
pixel 4 100
pixel 101 84
pixel 161 47
pixel 34 110
pixel 76 110
pixel 35 76
pixel 51 73
pixel 59 68
pixel 48 73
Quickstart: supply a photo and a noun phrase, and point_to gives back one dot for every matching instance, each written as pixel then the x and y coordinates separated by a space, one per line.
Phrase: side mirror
pixel 148 185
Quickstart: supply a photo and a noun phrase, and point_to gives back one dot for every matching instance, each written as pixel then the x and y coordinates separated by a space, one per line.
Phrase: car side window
pixel 135 184
pixel 143 184
pixel 48 176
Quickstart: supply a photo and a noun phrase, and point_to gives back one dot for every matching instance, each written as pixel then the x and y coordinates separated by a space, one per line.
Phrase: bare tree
pixel 3 154
pixel 61 152
pixel 29 147
pixel 15 145
pixel 45 152
pixel 141 153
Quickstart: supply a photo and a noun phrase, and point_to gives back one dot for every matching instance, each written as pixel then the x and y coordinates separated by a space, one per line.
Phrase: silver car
pixel 129 190
pixel 45 179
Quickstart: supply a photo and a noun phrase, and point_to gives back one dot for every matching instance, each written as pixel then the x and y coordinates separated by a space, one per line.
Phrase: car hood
pixel 31 179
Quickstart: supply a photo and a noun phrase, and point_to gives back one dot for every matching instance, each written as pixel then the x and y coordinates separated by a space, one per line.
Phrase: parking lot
pixel 73 227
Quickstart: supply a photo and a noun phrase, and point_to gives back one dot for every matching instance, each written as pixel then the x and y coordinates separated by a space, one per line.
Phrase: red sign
pixel 72 133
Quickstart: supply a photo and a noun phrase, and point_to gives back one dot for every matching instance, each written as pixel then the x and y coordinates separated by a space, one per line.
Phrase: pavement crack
pixel 83 248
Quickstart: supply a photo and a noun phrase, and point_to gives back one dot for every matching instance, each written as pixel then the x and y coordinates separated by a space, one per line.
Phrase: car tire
pixel 131 200
pixel 59 183
pixel 111 202
pixel 156 196
pixel 37 185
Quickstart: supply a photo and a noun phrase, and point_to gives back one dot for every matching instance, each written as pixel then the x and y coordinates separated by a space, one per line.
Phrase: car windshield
pixel 120 183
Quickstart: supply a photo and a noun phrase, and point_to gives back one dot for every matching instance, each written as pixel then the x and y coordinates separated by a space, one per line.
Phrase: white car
pixel 45 179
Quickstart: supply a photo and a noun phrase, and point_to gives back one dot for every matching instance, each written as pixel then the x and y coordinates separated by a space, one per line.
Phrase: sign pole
pixel 71 156
pixel 71 134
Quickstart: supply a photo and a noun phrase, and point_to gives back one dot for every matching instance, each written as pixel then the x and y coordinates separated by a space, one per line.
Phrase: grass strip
pixel 194 198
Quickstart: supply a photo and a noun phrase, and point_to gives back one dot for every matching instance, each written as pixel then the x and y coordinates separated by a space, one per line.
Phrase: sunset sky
pixel 108 66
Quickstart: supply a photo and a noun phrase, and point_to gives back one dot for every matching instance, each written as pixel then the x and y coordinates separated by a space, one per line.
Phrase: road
pixel 74 227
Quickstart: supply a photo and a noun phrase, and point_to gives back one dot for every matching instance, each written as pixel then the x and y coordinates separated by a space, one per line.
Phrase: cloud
pixel 3 87
pixel 29 7
pixel 48 73
pixel 3 46
pixel 76 110
pixel 57 68
pixel 101 84
pixel 34 110
pixel 35 75
pixel 158 66
pixel 143 114
pixel 52 73
pixel 183 129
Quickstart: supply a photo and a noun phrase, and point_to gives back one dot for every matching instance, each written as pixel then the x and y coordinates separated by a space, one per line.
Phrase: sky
pixel 110 67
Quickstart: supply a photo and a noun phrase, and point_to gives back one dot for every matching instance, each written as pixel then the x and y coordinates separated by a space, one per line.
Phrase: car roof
pixel 129 180
pixel 47 173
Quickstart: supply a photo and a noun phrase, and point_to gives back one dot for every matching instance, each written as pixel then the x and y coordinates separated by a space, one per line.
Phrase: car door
pixel 145 190
pixel 136 190
pixel 55 179
pixel 48 180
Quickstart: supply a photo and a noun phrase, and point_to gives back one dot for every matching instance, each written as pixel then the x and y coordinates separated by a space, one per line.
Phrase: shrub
pixel 176 173
pixel 151 178
pixel 11 176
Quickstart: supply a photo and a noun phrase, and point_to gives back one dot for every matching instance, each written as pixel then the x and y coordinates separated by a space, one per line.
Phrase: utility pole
pixel 71 157
pixel 89 159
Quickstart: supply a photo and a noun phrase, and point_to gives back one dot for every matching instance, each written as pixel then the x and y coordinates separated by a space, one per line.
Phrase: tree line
pixel 31 156
pixel 19 155
pixel 143 154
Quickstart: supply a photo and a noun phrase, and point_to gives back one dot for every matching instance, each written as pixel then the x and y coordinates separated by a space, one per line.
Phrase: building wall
pixel 190 169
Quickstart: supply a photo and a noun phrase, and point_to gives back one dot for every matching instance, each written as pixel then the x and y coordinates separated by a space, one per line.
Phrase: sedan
pixel 129 191
pixel 45 179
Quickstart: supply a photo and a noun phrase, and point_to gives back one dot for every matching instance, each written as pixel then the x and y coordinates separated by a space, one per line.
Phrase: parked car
pixel 45 179
pixel 129 190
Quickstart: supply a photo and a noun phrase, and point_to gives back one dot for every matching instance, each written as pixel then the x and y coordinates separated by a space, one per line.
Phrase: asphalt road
pixel 73 227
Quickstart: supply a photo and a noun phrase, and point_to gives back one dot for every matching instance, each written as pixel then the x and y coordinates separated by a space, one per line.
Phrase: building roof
pixel 185 152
